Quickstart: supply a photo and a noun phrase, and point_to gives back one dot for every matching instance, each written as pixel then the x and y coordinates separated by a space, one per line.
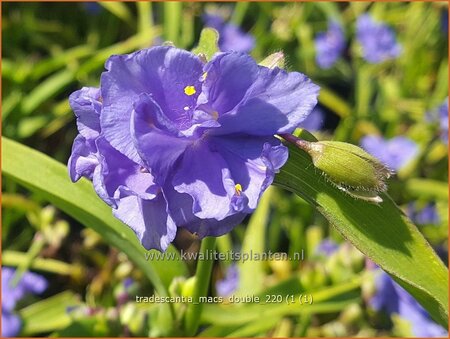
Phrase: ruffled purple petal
pixel 162 72
pixel 252 162
pixel 277 102
pixel 86 104
pixel 205 176
pixel 180 206
pixel 228 77
pixel 116 171
pixel 155 135
pixel 83 159
pixel 149 219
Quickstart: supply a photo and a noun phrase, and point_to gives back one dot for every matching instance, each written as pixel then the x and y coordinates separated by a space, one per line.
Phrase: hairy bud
pixel 349 167
pixel 273 60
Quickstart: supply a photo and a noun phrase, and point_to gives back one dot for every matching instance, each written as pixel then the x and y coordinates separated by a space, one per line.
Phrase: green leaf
pixel 380 231
pixel 49 314
pixel 126 46
pixel 15 258
pixel 172 21
pixel 48 177
pixel 256 317
pixel 427 188
pixel 207 44
pixel 335 103
pixel 251 272
pixel 145 19
pixel 120 10
pixel 93 327
pixel 46 90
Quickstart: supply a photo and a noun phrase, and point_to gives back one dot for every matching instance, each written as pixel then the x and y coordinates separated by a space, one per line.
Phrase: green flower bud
pixel 349 167
pixel 273 60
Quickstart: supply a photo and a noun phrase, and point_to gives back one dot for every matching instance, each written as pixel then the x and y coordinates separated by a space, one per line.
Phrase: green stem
pixel 145 20
pixel 15 258
pixel 172 21
pixel 36 247
pixel 202 279
pixel 239 12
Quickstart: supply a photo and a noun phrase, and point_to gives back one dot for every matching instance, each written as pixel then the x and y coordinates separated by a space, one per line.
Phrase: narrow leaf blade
pixel 382 232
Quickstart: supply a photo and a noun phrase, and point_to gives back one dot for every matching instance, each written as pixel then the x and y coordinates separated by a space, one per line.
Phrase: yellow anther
pixel 215 115
pixel 238 189
pixel 189 90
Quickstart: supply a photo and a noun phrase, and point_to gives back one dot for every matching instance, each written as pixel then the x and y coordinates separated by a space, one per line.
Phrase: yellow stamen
pixel 189 90
pixel 204 75
pixel 238 189
pixel 215 115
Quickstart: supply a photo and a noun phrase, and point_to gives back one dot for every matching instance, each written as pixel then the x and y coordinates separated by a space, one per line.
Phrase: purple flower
pixel 327 247
pixel 377 40
pixel 314 121
pixel 231 37
pixel 443 119
pixel 441 116
pixel 128 282
pixel 425 216
pixel 329 45
pixel 444 21
pixel 93 8
pixel 28 283
pixel 230 283
pixel 170 142
pixel 393 299
pixel 11 325
pixel 394 153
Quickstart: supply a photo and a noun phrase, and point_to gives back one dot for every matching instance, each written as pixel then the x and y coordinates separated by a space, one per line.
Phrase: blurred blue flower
pixel 425 216
pixel 377 40
pixel 128 282
pixel 93 8
pixel 29 283
pixel 230 283
pixel 231 37
pixel 443 119
pixel 327 247
pixel 394 153
pixel 329 45
pixel 11 325
pixel 314 121
pixel 391 298
pixel 444 21
pixel 440 115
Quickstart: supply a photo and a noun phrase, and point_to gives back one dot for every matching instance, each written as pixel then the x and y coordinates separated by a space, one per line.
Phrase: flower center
pixel 189 90
pixel 238 189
